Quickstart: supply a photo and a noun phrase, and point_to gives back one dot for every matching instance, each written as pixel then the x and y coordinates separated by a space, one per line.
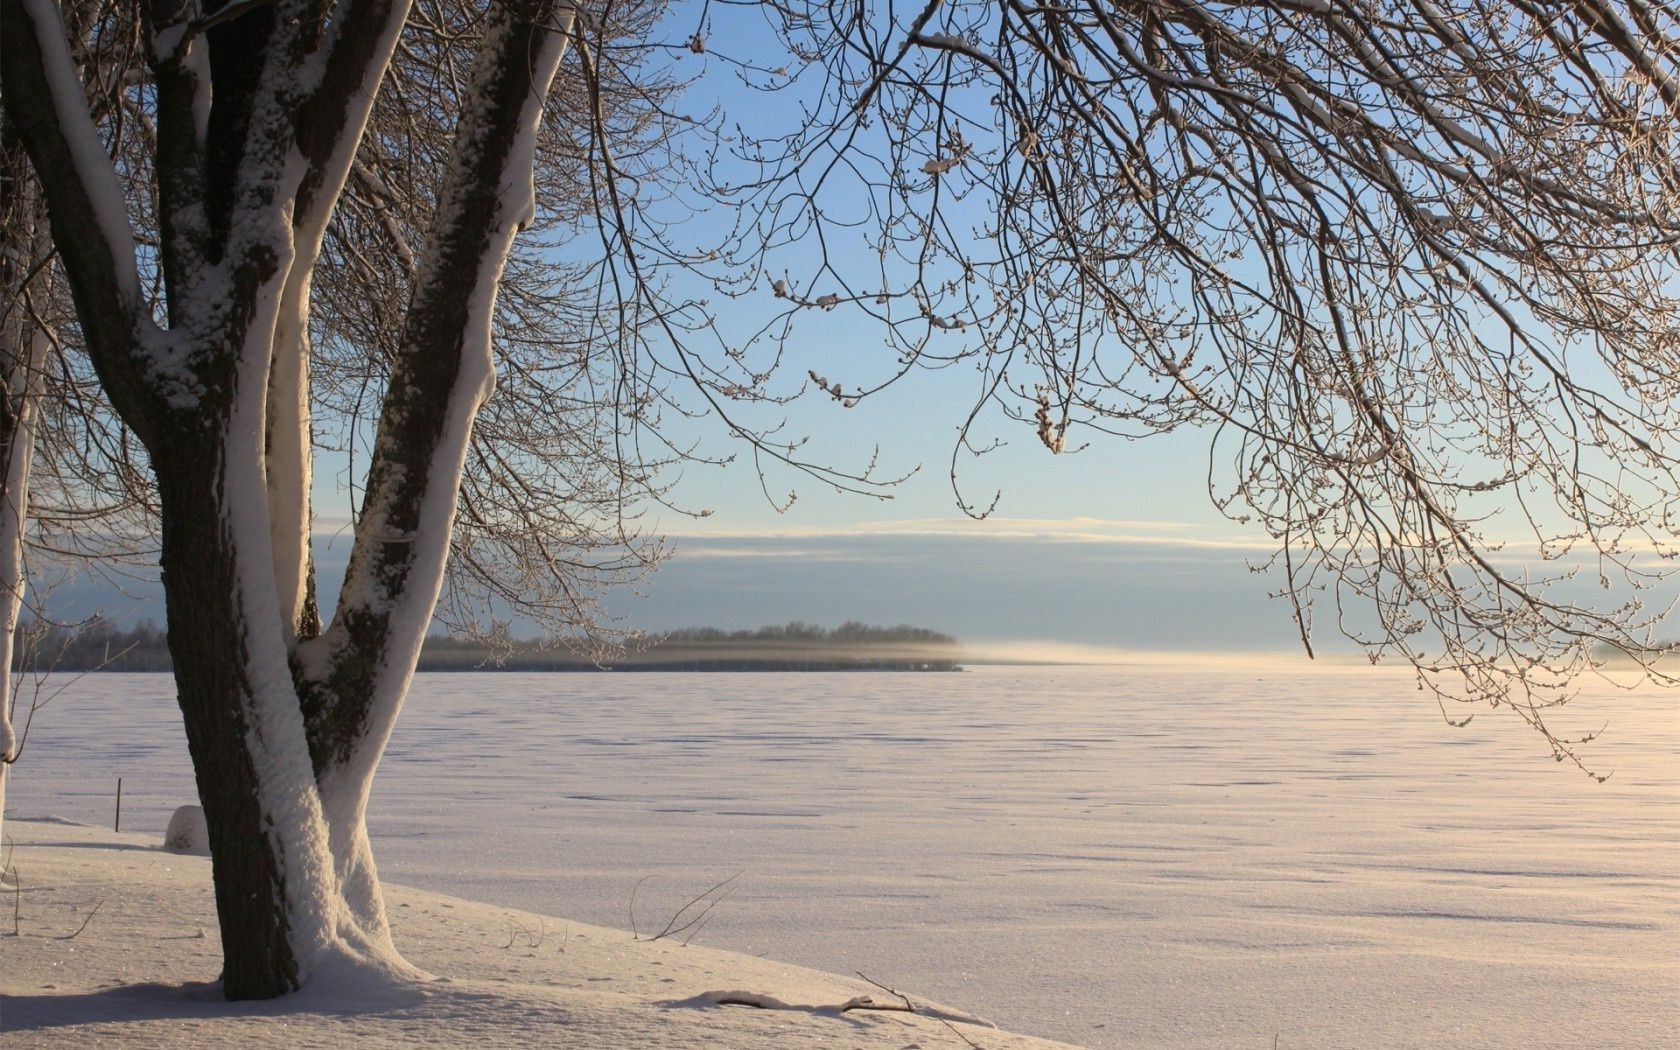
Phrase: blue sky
pixel 1115 546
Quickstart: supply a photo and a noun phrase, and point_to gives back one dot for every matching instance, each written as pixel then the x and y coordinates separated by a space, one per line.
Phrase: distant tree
pixel 69 486
pixel 1413 260
pixel 850 633
pixel 96 644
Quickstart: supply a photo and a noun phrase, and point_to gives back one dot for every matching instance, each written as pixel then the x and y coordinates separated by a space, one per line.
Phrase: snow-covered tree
pixel 68 487
pixel 25 249
pixel 1412 258
pixel 259 112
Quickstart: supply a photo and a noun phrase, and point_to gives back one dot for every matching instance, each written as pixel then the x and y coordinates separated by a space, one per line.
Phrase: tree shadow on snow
pixel 179 1002
pixel 436 1002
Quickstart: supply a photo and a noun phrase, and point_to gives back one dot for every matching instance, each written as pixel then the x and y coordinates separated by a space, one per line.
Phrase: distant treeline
pixel 97 645
pixel 795 646
pixel 100 645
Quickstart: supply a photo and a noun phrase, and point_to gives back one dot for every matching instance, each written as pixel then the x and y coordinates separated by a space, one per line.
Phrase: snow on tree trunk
pixel 271 868
pixel 24 344
pixel 17 448
pixel 285 727
pixel 443 374
pixel 288 463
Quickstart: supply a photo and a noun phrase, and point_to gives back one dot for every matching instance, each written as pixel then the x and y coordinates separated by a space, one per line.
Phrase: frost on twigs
pixel 834 390
pixel 826 301
pixel 956 151
pixel 944 324
pixel 1051 433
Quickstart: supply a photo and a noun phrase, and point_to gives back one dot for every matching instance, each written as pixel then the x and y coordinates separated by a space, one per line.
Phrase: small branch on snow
pixel 958 1034
pixel 761 1001
pixel 533 936
pixel 909 1008
pixel 633 934
pixel 91 913
pixel 890 991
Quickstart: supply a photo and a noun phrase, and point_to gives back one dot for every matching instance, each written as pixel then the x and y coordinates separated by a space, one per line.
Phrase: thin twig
pixel 958 1034
pixel 671 927
pixel 704 919
pixel 533 937
pixel 633 934
pixel 890 991
pixel 864 1002
pixel 84 925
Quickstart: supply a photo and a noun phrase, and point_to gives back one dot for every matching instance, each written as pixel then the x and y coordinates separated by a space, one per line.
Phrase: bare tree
pixel 25 251
pixel 1412 259
pixel 1412 262
pixel 551 490
pixel 69 490
pixel 259 112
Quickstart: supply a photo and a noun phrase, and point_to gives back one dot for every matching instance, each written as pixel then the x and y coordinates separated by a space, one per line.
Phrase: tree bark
pixel 25 250
pixel 208 645
pixel 286 730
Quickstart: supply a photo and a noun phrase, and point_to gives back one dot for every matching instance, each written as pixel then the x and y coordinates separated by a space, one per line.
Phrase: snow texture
pixel 138 974
pixel 1176 856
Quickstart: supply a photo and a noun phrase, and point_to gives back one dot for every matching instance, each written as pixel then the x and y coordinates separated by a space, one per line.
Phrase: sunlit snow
pixel 1123 856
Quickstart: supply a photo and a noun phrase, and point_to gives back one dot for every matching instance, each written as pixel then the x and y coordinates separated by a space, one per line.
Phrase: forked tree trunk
pixel 285 729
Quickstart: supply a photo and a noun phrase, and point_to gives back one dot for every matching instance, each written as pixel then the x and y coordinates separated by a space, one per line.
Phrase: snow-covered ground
pixel 1146 856
pixel 117 935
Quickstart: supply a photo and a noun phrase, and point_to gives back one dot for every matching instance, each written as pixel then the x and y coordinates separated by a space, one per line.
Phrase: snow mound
pixel 186 832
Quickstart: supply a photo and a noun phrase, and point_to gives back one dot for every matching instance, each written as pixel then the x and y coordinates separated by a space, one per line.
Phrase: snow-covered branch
pixel 45 100
pixel 441 376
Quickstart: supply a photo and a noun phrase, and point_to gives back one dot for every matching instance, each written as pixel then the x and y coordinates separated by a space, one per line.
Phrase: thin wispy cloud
pixel 702 549
pixel 1051 530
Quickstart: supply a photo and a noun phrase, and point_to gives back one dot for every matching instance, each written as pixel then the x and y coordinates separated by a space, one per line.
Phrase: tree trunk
pixel 22 357
pixel 24 245
pixel 208 640
pixel 286 731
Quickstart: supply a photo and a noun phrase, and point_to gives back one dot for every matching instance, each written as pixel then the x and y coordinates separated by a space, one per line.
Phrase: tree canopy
pixel 1411 262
